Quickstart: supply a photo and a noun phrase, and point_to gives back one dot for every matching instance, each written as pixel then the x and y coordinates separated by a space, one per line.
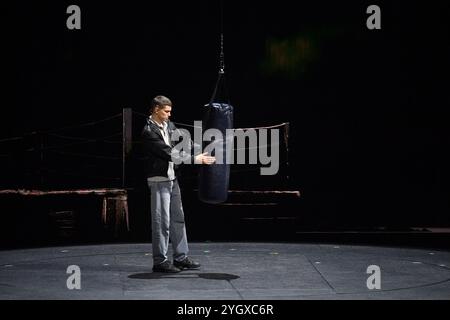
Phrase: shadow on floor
pixel 161 275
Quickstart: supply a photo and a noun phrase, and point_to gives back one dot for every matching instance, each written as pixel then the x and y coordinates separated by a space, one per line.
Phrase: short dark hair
pixel 159 101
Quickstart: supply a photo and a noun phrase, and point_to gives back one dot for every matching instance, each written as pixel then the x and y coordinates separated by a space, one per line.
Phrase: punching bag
pixel 217 115
pixel 214 178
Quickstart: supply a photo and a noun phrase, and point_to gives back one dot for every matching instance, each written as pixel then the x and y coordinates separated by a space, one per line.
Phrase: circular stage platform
pixel 231 271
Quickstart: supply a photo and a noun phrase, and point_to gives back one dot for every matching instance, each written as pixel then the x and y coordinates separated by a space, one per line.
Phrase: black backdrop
pixel 368 108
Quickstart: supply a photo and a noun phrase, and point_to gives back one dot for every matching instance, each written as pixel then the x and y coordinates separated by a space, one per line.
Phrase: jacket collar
pixel 160 126
pixel 157 128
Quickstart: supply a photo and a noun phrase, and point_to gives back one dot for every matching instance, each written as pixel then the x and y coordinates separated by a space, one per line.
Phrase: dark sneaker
pixel 186 264
pixel 166 267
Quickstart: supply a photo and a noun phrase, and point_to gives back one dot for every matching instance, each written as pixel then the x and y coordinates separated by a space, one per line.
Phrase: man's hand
pixel 204 159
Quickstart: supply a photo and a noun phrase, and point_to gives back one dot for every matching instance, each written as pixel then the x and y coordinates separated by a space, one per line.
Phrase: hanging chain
pixel 222 57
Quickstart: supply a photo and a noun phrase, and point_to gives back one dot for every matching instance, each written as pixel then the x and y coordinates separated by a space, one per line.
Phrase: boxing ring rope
pixel 105 139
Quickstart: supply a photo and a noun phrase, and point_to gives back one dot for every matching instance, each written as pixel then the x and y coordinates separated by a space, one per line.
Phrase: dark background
pixel 369 134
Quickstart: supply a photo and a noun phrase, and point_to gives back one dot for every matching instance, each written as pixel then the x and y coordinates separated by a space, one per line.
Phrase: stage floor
pixel 232 271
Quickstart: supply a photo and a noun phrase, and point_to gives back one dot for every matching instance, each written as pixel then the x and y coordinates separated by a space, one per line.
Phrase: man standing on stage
pixel 166 205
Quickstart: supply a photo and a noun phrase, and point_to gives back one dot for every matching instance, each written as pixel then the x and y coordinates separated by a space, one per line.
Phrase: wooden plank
pixel 101 192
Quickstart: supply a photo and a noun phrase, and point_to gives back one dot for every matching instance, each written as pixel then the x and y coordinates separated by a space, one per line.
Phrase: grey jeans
pixel 167 221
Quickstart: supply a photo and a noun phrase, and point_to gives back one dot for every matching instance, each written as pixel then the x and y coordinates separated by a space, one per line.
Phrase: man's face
pixel 162 114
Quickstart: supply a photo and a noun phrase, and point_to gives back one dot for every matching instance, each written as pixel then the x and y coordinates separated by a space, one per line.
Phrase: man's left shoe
pixel 186 264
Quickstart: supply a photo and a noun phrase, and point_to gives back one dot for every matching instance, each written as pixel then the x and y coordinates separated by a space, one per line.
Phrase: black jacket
pixel 156 152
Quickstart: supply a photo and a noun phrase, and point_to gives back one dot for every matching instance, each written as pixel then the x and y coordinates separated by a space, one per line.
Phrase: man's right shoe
pixel 165 267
